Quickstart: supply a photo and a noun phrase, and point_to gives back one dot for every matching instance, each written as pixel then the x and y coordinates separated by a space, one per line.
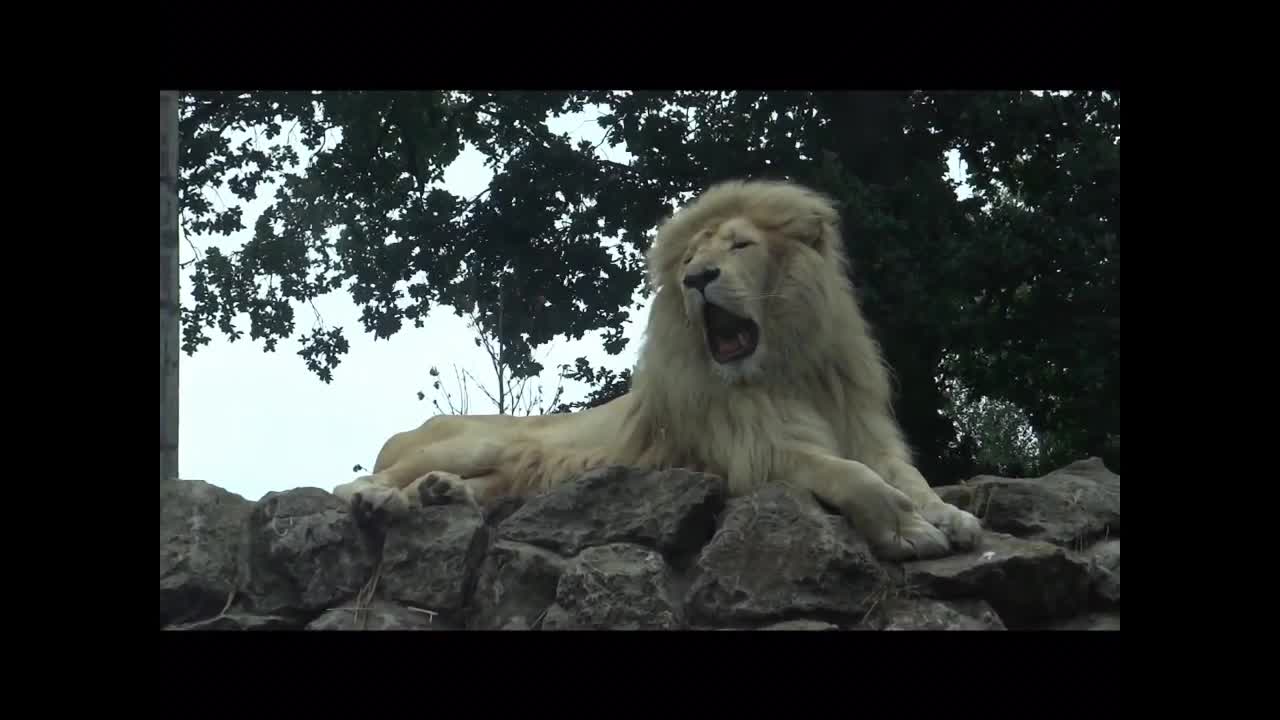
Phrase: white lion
pixel 757 365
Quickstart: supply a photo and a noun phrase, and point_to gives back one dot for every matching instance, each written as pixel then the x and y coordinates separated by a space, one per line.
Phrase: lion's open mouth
pixel 730 337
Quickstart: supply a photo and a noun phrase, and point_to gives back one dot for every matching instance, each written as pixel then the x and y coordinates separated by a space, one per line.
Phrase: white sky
pixel 254 422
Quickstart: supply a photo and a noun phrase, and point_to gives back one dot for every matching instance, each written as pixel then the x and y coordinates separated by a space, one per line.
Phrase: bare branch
pixel 483 389
pixel 617 120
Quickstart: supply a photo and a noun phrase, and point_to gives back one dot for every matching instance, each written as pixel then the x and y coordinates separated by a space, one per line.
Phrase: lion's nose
pixel 701 279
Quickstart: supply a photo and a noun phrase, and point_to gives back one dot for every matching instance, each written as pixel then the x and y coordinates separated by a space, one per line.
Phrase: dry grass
pixel 888 591
pixel 431 614
pixel 231 596
pixel 1081 542
pixel 365 597
pixel 537 622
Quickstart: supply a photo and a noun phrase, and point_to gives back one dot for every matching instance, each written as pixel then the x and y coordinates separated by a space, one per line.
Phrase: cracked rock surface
pixel 1071 507
pixel 776 556
pixel 615 587
pixel 430 557
pixel 200 536
pixel 303 554
pixel 627 549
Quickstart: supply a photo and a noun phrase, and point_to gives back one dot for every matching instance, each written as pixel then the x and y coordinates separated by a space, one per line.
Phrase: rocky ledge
pixel 620 549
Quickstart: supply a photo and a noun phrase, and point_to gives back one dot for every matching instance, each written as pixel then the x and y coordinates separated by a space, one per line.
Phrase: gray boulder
pixel 615 587
pixel 778 555
pixel 303 555
pixel 1104 573
pixel 625 549
pixel 928 614
pixel 378 615
pixel 672 512
pixel 1070 507
pixel 1026 581
pixel 517 584
pixel 431 556
pixel 201 530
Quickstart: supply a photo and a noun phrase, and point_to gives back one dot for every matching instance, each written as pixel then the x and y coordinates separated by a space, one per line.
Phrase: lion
pixel 756 365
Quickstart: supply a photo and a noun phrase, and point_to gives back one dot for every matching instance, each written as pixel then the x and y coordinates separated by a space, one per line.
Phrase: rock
pixel 1106 555
pixel 380 615
pixel 928 614
pixel 778 555
pixel 516 585
pixel 1025 581
pixel 1070 507
pixel 200 534
pixel 801 625
pixel 670 511
pixel 497 511
pixel 628 549
pixel 959 495
pixel 304 554
pixel 430 557
pixel 615 587
pixel 1089 621
pixel 1104 573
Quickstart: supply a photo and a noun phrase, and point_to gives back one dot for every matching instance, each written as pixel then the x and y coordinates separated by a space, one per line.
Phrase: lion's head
pixel 754 335
pixel 754 270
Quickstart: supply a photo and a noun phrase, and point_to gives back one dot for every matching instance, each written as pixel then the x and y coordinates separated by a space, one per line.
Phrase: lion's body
pixel 788 386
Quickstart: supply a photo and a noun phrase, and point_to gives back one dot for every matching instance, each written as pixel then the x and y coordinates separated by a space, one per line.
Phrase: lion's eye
pixel 741 244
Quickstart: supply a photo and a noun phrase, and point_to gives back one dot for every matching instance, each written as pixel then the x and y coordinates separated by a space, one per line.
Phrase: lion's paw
pixel 372 503
pixel 911 538
pixel 963 530
pixel 441 488
pixel 347 490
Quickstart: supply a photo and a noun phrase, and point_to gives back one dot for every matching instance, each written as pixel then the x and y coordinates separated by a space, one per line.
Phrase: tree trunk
pixel 168 285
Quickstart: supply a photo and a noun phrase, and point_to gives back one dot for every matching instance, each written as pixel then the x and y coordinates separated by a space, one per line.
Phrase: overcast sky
pixel 254 422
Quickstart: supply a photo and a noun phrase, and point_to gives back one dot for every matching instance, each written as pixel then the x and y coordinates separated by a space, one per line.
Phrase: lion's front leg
pixel 884 515
pixel 373 502
pixel 425 475
pixel 963 529
pixel 372 499
pixel 442 488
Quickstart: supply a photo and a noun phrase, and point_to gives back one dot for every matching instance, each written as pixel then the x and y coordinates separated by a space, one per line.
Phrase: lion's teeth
pixel 742 338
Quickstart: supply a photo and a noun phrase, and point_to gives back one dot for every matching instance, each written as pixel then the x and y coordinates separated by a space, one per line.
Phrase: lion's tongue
pixel 731 345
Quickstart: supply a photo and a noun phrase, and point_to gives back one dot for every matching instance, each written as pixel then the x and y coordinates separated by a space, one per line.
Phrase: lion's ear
pixel 663 256
pixel 819 233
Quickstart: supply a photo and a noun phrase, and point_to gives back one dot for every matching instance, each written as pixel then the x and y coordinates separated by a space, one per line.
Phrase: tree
pixel 168 285
pixel 1043 273
pixel 400 237
pixel 1020 280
